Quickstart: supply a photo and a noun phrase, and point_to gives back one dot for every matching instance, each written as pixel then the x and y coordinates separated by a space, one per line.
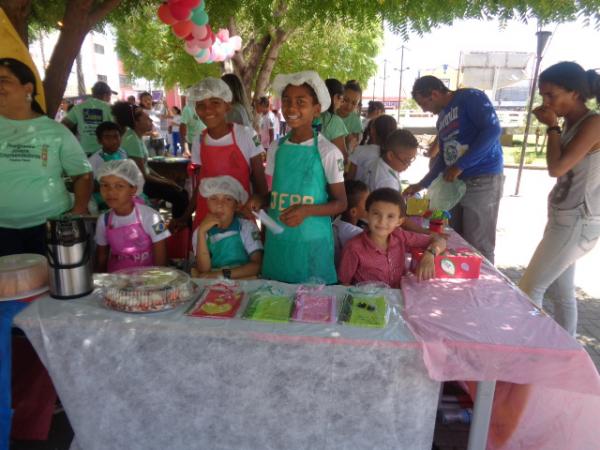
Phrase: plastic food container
pixel 22 275
pixel 146 289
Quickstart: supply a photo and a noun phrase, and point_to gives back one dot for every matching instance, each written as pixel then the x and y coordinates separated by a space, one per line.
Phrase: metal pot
pixel 68 248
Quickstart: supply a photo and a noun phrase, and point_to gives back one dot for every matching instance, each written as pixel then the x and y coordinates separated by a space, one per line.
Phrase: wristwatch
pixel 554 128
pixel 432 251
pixel 227 274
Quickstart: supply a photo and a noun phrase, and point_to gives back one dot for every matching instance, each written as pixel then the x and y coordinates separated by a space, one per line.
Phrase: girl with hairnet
pixel 308 186
pixel 129 234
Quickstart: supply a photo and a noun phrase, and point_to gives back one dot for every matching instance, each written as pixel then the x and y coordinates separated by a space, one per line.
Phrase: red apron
pixel 218 161
pixel 130 246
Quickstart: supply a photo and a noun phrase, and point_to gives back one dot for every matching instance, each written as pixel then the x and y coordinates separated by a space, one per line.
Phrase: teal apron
pixel 229 250
pixel 306 251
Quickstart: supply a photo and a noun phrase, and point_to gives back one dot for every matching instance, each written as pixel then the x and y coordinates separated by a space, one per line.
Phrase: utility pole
pixel 542 40
pixel 384 77
pixel 400 81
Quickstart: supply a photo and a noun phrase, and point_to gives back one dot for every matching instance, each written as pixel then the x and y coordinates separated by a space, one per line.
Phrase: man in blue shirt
pixel 469 139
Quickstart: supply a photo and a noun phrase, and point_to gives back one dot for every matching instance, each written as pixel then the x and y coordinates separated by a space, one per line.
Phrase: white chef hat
pixel 209 87
pixel 124 168
pixel 225 185
pixel 309 77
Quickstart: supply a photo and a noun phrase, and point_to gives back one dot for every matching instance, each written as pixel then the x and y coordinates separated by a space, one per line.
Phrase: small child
pixel 379 253
pixel 347 111
pixel 226 245
pixel 364 155
pixel 345 227
pixel 397 154
pixel 308 186
pixel 130 234
pixel 266 126
pixel 109 137
pixel 331 125
pixel 224 148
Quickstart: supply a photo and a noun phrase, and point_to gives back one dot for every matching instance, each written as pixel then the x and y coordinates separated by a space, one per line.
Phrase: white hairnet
pixel 208 88
pixel 225 185
pixel 309 77
pixel 124 168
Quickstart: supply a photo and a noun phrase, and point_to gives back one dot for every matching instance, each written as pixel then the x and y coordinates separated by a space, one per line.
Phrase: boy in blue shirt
pixel 469 139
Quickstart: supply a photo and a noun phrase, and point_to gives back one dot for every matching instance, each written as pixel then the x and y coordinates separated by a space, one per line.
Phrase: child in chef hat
pixel 130 234
pixel 226 245
pixel 308 186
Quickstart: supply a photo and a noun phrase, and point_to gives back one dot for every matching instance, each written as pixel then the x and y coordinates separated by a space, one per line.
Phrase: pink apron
pixel 130 246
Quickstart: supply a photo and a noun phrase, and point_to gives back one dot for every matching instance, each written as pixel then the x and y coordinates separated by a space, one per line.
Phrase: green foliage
pixel 150 50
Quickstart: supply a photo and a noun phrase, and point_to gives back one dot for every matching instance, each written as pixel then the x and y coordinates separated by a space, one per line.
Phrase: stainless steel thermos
pixel 68 248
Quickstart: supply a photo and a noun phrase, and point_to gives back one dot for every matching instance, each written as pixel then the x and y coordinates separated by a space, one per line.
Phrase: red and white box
pixel 453 263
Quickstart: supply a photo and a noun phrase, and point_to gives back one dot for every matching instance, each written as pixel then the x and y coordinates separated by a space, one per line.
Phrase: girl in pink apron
pixel 130 234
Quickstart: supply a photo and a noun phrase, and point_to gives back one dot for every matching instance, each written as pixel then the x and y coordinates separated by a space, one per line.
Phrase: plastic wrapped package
pixel 218 301
pixel 146 289
pixel 365 305
pixel 268 304
pixel 314 304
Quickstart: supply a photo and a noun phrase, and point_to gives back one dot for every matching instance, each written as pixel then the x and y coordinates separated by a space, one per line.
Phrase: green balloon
pixel 199 17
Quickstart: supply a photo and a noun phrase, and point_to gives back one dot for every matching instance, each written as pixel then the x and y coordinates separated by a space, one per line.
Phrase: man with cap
pixel 86 116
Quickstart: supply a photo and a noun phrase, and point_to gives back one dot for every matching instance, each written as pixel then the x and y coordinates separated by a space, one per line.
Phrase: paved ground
pixel 520 226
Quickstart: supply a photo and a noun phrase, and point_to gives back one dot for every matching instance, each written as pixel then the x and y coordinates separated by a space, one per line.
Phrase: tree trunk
pixel 18 13
pixel 79 18
pixel 266 69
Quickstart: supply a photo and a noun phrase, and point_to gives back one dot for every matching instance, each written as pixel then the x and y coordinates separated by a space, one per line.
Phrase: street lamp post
pixel 400 81
pixel 542 40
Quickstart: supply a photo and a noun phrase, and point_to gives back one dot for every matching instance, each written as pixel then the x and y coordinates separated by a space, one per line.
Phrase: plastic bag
pixel 444 195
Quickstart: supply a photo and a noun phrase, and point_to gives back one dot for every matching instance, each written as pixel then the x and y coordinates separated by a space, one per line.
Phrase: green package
pixel 364 311
pixel 268 307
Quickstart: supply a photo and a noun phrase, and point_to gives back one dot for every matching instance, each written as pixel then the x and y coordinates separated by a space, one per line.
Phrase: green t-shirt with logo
pixel 87 116
pixel 193 123
pixel 34 156
pixel 353 123
pixel 134 146
pixel 332 126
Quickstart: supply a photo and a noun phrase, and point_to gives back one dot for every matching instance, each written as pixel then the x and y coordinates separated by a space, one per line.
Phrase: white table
pixel 165 380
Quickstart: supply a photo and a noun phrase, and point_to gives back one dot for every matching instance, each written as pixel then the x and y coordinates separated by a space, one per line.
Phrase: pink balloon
pixel 192 47
pixel 182 29
pixel 204 43
pixel 223 34
pixel 200 32
pixel 180 11
pixel 235 42
pixel 194 3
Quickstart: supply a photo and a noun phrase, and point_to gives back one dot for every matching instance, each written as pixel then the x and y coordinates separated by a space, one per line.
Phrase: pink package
pixel 314 307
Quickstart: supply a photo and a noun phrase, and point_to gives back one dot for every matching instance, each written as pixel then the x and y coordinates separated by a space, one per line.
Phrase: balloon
pixel 190 37
pixel 235 42
pixel 204 43
pixel 203 59
pixel 202 52
pixel 223 34
pixel 193 4
pixel 164 14
pixel 182 29
pixel 192 48
pixel 199 17
pixel 200 32
pixel 180 11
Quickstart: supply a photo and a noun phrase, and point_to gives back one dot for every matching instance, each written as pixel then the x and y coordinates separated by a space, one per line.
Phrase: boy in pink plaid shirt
pixel 378 254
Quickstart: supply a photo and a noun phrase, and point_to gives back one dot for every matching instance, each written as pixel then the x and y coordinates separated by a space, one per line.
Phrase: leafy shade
pixel 150 50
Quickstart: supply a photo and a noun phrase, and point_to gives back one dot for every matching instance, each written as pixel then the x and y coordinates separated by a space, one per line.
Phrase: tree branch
pixel 18 12
pixel 102 10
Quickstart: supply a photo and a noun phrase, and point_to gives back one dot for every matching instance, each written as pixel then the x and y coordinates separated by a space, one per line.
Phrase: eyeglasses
pixel 405 161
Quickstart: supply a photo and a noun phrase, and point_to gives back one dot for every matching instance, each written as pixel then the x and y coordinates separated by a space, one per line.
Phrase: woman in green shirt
pixel 35 152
